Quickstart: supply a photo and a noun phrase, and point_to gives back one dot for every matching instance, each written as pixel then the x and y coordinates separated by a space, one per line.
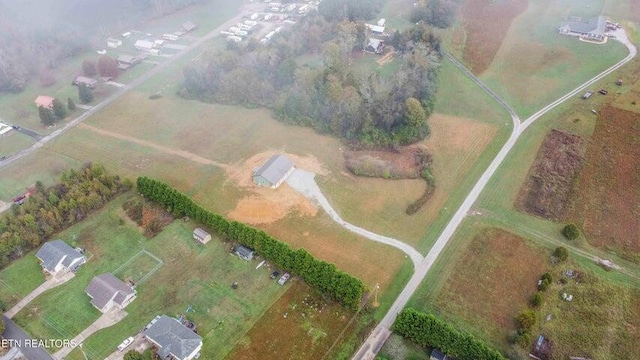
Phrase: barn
pixel 273 172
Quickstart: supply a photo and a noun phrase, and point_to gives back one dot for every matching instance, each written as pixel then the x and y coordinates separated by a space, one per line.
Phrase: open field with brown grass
pixel 608 199
pixel 547 191
pixel 300 325
pixel 482 28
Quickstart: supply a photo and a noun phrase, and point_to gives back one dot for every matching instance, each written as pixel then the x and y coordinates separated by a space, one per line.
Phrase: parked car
pixel 275 274
pixel 284 278
pixel 603 92
pixel 125 343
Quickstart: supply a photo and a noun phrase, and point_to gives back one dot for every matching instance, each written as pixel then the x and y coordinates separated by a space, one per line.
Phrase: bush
pixel 526 319
pixel 523 339
pixel 155 96
pixel 536 299
pixel 561 253
pixel 545 280
pixel 571 232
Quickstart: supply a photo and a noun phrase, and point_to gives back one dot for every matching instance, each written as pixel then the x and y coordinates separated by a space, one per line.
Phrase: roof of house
pixel 595 25
pixel 243 251
pixel 147 44
pixel 274 169
pixel 44 100
pixel 375 43
pixel 173 338
pixel 375 28
pixel 103 287
pixel 436 354
pixel 53 251
pixel 189 25
pixel 200 233
pixel 86 80
pixel 128 59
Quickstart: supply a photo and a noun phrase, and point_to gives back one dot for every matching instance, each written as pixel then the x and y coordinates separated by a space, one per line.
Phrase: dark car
pixel 603 92
pixel 275 274
pixel 16 127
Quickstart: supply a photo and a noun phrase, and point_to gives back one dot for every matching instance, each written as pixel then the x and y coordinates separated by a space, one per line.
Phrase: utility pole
pixel 375 296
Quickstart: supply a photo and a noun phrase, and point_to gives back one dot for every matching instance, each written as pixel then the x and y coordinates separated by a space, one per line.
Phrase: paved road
pixel 13 332
pixel 304 182
pixel 29 133
pixel 121 91
pixel 52 282
pixel 376 340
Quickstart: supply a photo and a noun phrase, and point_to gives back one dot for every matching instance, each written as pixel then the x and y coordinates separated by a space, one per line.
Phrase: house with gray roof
pixel 593 29
pixel 273 172
pixel 107 291
pixel 56 256
pixel 189 26
pixel 243 252
pixel 174 340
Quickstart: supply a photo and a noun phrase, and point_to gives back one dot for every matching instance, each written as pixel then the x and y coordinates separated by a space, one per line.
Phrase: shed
pixel 243 252
pixel 273 172
pixel 375 46
pixel 44 101
pixel 107 291
pixel 189 26
pixel 173 339
pixel 89 82
pixel 113 43
pixel 436 354
pixel 201 235
pixel 144 45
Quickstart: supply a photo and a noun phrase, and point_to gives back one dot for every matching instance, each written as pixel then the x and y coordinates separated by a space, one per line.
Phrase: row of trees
pixel 50 210
pixel 322 275
pixel 351 10
pixel 331 97
pixel 106 67
pixel 427 330
pixel 438 13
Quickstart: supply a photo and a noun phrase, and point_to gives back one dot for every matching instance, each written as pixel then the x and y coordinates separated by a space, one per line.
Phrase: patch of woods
pixel 149 217
pixel 323 276
pixel 427 330
pixel 331 96
pixel 438 13
pixel 52 209
pixel 548 189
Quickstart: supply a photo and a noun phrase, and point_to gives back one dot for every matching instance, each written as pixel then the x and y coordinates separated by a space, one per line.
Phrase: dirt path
pixel 167 150
pixel 52 282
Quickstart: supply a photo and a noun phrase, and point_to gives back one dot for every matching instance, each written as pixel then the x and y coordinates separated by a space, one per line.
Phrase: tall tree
pixel 415 116
pixel 107 66
pixel 58 109
pixel 84 93
pixel 70 104
pixel 46 77
pixel 89 68
pixel 46 117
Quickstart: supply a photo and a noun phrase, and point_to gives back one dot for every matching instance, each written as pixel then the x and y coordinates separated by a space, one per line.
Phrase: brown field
pixel 485 24
pixel 547 191
pixel 401 164
pixel 300 325
pixel 608 199
pixel 492 282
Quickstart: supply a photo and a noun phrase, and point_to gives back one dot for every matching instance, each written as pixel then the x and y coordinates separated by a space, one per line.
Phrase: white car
pixel 125 343
pixel 284 278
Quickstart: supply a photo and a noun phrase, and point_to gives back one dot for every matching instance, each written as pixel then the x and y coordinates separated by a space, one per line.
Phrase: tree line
pixel 52 209
pixel 333 97
pixel 438 13
pixel 427 330
pixel 322 275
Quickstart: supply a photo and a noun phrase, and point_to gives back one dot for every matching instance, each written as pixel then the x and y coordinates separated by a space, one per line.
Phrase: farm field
pixel 13 142
pixel 300 325
pixel 223 315
pixel 535 65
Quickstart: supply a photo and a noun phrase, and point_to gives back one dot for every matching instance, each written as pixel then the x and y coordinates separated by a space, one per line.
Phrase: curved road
pixel 376 339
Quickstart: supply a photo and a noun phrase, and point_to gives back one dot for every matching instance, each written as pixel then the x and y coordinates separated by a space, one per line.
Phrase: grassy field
pixel 536 65
pixel 19 279
pixel 223 315
pixel 13 142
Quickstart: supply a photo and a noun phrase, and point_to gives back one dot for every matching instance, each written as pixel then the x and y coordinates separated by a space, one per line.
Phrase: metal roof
pixel 595 25
pixel 105 287
pixel 243 251
pixel 189 25
pixel 200 233
pixel 173 338
pixel 53 252
pixel 274 169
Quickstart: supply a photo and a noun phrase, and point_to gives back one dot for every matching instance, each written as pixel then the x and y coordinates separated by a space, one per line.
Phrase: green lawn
pixel 192 274
pixel 13 142
pixel 536 65
pixel 19 279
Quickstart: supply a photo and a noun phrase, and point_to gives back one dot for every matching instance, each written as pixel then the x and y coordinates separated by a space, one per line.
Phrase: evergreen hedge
pixel 320 274
pixel 427 330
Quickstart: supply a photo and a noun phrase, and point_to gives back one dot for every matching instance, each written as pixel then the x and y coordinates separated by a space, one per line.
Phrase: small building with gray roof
pixel 273 172
pixel 56 256
pixel 201 236
pixel 174 340
pixel 107 291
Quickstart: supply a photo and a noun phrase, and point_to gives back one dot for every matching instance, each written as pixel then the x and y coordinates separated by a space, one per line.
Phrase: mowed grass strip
pixel 19 279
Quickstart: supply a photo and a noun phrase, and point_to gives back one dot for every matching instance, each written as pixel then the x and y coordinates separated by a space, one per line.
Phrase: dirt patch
pixel 608 191
pixel 265 205
pixel 486 24
pixel 405 163
pixel 386 58
pixel 300 325
pixel 500 269
pixel 547 191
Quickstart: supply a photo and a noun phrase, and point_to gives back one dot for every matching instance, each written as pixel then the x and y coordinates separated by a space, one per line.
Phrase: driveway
pixel 52 282
pixel 110 318
pixel 140 344
pixel 13 332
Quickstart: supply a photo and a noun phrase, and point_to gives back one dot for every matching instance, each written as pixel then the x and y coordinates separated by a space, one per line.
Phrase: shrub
pixel 523 339
pixel 155 96
pixel 536 299
pixel 526 319
pixel 571 232
pixel 561 253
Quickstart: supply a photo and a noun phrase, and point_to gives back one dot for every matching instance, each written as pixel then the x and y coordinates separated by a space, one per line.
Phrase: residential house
pixel 202 236
pixel 44 101
pixel 189 26
pixel 114 43
pixel 107 292
pixel 243 252
pixel 126 61
pixel 375 46
pixel 144 45
pixel 273 172
pixel 89 82
pixel 593 29
pixel 378 30
pixel 174 340
pixel 56 256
